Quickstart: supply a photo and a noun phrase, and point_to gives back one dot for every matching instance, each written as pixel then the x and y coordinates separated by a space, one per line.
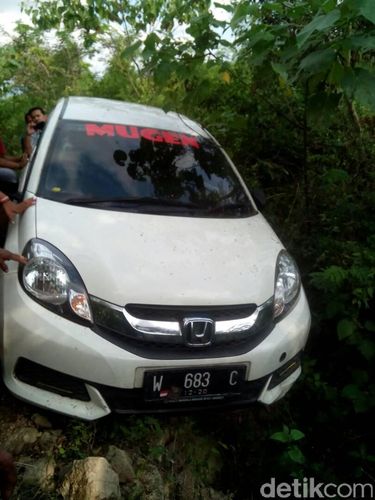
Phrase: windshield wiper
pixel 146 200
pixel 230 207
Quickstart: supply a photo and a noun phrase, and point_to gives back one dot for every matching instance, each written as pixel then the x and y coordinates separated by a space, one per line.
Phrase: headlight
pixel 287 284
pixel 51 279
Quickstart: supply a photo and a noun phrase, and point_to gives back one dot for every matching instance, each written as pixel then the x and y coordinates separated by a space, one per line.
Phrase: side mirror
pixel 259 197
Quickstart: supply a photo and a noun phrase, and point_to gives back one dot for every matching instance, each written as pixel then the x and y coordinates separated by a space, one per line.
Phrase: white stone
pixel 91 479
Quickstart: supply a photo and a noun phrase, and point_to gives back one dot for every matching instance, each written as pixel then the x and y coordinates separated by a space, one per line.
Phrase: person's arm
pixel 13 162
pixel 12 209
pixel 27 144
pixel 13 158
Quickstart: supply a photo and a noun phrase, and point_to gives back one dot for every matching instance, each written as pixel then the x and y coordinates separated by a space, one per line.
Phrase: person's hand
pixel 12 209
pixel 6 255
pixel 23 161
pixel 30 128
pixel 8 476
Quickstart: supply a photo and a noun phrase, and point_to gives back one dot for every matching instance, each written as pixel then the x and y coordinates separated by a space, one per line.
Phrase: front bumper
pixel 43 350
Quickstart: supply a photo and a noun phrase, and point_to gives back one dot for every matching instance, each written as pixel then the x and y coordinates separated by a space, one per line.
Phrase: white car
pixel 153 282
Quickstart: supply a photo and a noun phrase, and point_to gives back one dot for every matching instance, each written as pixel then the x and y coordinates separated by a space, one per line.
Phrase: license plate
pixel 197 384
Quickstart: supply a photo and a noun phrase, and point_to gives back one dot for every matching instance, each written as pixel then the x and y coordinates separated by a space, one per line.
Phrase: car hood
pixel 126 257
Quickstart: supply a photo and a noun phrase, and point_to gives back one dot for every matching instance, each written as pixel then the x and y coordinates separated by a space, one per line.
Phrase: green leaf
pixel 281 70
pixel 348 82
pixel 336 74
pixel 367 10
pixel 359 84
pixel 242 11
pixel 319 23
pixel 345 328
pixel 131 50
pixel 332 278
pixel 162 72
pixel 296 434
pixel 228 8
pixel 273 7
pixel 359 42
pixel 361 400
pixel 367 348
pixel 352 392
pixel 336 176
pixel 280 436
pixel 328 5
pixel 260 36
pixel 151 40
pixel 318 60
pixel 296 455
pixel 365 89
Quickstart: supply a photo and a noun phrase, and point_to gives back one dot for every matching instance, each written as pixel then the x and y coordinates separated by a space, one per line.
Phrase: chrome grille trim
pixel 148 327
pixel 170 331
pixel 237 325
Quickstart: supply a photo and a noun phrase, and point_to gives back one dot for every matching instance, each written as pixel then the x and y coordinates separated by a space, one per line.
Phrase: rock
pixel 121 463
pixel 48 440
pixel 21 440
pixel 187 486
pixel 41 473
pixel 152 483
pixel 41 422
pixel 91 479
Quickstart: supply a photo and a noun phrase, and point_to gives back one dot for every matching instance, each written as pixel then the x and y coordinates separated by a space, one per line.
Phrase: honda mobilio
pixel 153 282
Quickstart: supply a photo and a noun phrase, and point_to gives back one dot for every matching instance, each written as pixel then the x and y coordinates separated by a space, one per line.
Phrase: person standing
pixel 9 164
pixel 8 476
pixel 28 120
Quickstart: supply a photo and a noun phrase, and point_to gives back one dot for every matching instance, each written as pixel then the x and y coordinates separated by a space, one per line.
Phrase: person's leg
pixel 8 175
pixel 3 226
pixel 8 181
pixel 8 476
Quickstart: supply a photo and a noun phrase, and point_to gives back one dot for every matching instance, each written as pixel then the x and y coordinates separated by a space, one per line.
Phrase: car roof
pixel 101 110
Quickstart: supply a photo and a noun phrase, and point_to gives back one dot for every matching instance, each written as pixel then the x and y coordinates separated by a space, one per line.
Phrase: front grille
pixel 178 313
pixel 155 350
pixel 50 380
pixel 111 323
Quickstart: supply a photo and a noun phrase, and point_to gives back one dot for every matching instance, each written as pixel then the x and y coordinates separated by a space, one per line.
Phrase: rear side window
pixel 109 164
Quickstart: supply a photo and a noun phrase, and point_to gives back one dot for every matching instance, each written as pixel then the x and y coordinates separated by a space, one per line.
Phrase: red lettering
pixel 93 129
pixel 171 138
pixel 128 132
pixel 189 140
pixel 152 134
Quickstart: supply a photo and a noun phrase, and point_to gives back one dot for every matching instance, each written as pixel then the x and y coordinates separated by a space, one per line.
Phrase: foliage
pixel 327 45
pixel 79 438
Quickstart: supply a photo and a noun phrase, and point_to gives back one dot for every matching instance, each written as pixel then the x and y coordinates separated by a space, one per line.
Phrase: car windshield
pixel 133 168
